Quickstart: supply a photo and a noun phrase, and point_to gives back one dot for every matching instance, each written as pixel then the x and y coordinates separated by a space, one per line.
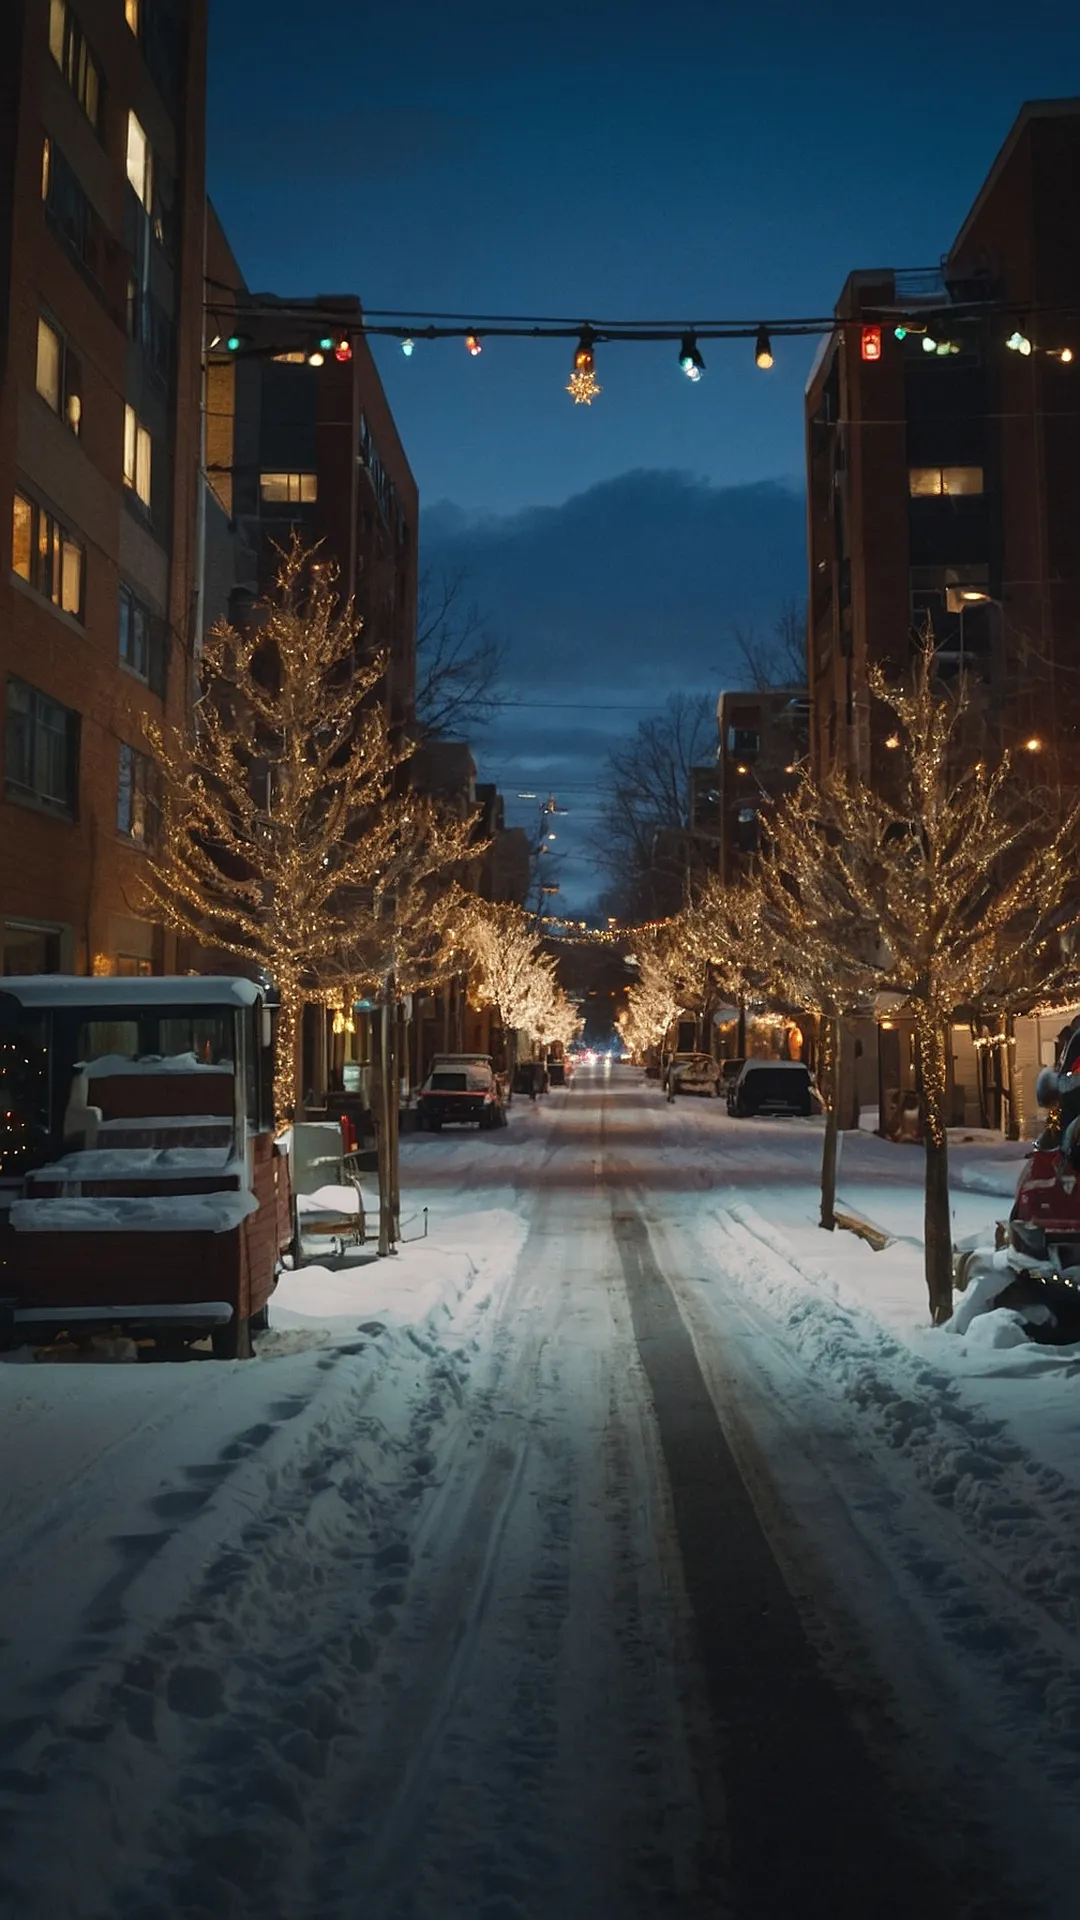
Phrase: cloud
pixel 634 582
pixel 608 604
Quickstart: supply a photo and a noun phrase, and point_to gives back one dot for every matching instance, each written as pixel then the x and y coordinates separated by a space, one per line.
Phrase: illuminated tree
pixel 654 1000
pixel 949 885
pixel 286 820
pixel 512 973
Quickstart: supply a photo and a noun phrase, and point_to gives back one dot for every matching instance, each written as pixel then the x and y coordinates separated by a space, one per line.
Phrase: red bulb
pixel 871 343
pixel 343 350
pixel 473 344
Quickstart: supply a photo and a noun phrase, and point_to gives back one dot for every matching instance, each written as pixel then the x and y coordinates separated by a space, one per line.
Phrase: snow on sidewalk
pixel 149 1502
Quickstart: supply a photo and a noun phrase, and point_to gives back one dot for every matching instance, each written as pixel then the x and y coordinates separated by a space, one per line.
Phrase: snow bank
pixel 158 1213
pixel 113 1065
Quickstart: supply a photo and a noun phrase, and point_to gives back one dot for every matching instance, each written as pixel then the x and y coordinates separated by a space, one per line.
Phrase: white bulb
pixel 407 347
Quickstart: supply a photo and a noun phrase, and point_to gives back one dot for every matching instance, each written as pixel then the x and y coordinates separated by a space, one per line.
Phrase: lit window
pixel 932 483
pixel 22 537
pixel 131 14
pixel 961 480
pixel 137 456
pixel 289 489
pixel 46 555
pixel 49 358
pixel 924 483
pixel 140 169
pixel 135 796
pixel 68 46
pixel 59 374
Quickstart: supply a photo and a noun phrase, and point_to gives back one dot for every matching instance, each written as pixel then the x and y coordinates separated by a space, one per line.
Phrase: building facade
pixel 763 736
pixel 943 466
pixel 102 196
pixel 300 437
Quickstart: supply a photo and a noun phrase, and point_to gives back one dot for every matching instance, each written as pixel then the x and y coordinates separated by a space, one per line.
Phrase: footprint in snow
pixel 197 1692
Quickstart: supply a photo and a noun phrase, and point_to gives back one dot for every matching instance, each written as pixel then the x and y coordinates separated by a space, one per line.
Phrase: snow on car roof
pixel 158 990
pixel 773 1065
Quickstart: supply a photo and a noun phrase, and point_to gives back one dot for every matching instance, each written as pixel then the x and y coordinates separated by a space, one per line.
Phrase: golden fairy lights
pixel 952 892
pixel 285 836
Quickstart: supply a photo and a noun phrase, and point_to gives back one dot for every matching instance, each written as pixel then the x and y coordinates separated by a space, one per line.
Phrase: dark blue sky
pixel 625 160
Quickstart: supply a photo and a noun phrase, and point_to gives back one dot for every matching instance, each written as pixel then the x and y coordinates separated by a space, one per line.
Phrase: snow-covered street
pixel 625 1547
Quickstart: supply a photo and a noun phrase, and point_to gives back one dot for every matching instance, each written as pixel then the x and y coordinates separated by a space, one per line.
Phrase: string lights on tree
pixel 283 815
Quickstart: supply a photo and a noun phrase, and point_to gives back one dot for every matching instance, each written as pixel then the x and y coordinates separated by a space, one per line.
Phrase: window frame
pixel 50 547
pixel 136 822
pixel 138 461
pixel 143 188
pixel 31 792
pixel 69 375
pixel 305 494
pixel 942 491
pixel 75 60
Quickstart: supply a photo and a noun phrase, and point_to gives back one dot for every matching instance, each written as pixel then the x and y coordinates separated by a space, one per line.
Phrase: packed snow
pixel 388 1620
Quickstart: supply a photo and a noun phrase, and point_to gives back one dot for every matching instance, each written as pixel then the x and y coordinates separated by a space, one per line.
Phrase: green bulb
pixel 326 343
pixel 899 333
pixel 233 342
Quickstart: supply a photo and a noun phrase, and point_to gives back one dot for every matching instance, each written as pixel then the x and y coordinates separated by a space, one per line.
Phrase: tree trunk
pixel 384 1130
pixel 740 1032
pixel 510 1034
pixel 1011 1081
pixel 932 1059
pixel 828 1068
pixel 287 1040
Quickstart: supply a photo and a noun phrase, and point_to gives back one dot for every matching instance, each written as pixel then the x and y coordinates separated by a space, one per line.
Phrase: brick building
pixel 943 462
pixel 300 435
pixel 102 200
pixel 763 735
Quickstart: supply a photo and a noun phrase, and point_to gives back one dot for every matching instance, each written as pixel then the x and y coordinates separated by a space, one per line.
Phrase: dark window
pixel 149 325
pixel 745 742
pixel 142 641
pixel 381 483
pixel 136 796
pixel 42 745
pixel 46 555
pixel 67 44
pixel 70 215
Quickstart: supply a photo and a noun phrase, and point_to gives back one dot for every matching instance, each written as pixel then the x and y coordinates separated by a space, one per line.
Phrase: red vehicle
pixel 1044 1226
pixel 141 1187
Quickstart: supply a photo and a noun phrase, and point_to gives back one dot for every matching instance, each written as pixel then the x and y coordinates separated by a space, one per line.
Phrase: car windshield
pixel 447 1082
pixel 778 1082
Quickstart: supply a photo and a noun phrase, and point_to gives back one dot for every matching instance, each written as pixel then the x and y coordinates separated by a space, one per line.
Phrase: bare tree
pixel 776 658
pixel 459 661
pixel 641 838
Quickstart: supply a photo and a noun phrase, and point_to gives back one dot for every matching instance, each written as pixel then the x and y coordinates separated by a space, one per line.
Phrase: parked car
pixel 461 1093
pixel 730 1070
pixel 772 1087
pixel 669 1066
pixel 696 1073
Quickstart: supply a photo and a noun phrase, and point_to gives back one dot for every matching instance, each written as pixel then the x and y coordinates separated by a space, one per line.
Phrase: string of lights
pixel 940 331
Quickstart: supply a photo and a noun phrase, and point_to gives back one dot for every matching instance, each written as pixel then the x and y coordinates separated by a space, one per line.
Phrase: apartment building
pixel 102 197
pixel 763 738
pixel 300 436
pixel 943 464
